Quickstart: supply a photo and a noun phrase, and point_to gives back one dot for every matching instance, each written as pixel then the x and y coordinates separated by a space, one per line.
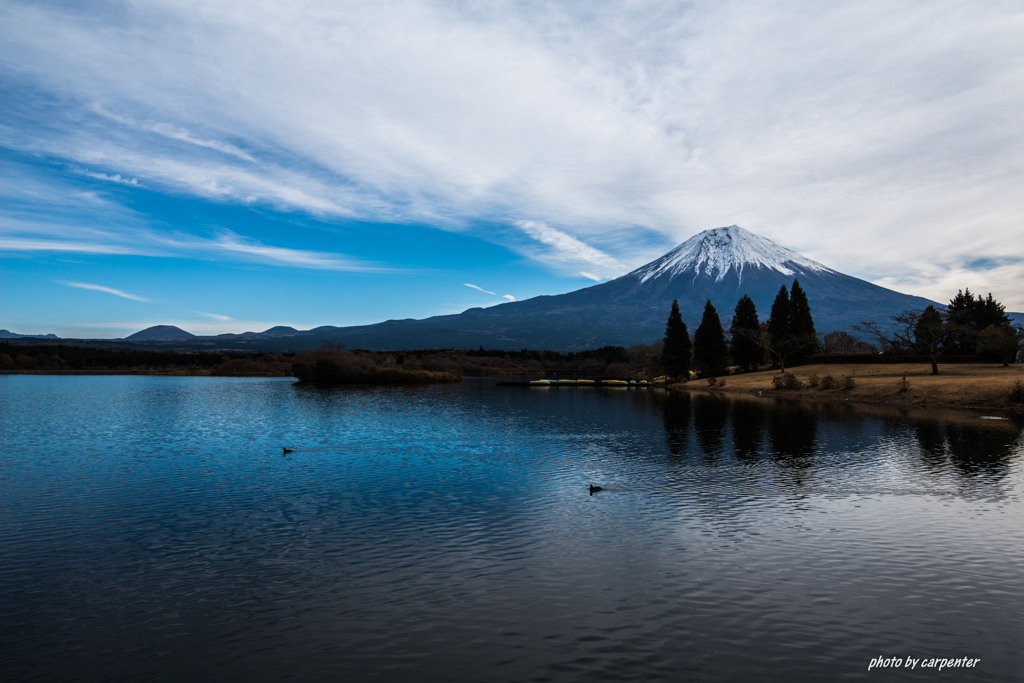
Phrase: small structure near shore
pixel 579 383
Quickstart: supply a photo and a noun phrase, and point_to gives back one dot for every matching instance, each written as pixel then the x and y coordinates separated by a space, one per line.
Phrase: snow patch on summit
pixel 713 253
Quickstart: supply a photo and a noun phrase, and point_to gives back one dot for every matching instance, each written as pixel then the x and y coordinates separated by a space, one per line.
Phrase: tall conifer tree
pixel 710 352
pixel 988 312
pixel 801 325
pixel 967 317
pixel 778 321
pixel 676 351
pixel 747 346
pixel 780 335
pixel 961 335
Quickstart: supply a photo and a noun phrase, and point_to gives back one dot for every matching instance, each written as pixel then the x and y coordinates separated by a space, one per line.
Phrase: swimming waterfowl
pixel 286 451
pixel 595 489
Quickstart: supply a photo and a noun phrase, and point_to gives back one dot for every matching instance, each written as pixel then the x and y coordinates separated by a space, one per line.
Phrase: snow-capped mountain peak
pixel 713 253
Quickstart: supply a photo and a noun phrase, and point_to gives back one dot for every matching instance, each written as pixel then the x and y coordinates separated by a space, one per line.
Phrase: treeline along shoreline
pixel 333 364
pixel 637 362
pixel 874 378
pixel 66 359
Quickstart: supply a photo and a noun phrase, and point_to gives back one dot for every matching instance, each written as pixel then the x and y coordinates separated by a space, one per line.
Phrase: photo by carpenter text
pixel 937 663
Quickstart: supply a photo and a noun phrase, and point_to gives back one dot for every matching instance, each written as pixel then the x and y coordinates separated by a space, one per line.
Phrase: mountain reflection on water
pixel 151 529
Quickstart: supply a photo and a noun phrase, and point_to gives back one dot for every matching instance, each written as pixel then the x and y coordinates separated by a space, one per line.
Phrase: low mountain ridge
pixel 7 334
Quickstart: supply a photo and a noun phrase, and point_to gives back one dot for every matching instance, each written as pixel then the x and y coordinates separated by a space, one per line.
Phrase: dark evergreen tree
pixel 675 353
pixel 997 339
pixel 968 316
pixel 710 352
pixel 747 344
pixel 778 321
pixel 988 312
pixel 961 337
pixel 780 332
pixel 801 325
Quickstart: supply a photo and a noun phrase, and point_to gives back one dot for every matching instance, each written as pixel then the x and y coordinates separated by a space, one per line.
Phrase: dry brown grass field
pixel 978 385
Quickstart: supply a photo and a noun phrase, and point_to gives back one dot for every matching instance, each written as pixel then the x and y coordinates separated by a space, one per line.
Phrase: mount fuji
pixel 721 265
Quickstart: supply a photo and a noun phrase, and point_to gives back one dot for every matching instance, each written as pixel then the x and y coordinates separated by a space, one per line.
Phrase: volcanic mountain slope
pixel 721 265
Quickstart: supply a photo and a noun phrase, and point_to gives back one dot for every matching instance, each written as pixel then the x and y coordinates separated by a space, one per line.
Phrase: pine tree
pixel 780 334
pixel 961 337
pixel 676 351
pixel 988 312
pixel 967 317
pixel 996 336
pixel 801 325
pixel 710 352
pixel 747 345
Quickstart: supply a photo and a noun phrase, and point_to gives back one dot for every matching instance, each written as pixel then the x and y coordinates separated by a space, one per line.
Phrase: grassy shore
pixel 977 386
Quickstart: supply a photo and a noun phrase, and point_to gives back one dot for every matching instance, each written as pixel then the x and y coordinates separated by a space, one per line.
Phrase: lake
pixel 151 528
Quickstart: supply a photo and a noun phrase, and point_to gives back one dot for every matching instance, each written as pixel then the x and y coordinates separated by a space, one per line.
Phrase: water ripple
pixel 152 529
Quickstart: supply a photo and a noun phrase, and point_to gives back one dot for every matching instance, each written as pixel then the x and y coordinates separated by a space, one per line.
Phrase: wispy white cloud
pixel 107 290
pixel 116 178
pixel 45 236
pixel 300 258
pixel 894 122
pixel 175 133
pixel 215 316
pixel 569 248
pixel 481 289
pixel 508 297
pixel 75 246
pixel 591 276
pixel 270 185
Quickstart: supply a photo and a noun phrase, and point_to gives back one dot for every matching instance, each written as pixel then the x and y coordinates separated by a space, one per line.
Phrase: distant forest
pixel 67 359
pixel 608 361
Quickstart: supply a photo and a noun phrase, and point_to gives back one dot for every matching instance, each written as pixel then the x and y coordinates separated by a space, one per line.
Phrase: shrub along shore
pixel 982 386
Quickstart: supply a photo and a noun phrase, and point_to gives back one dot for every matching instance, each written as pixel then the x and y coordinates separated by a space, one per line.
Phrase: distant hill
pixel 280 330
pixel 5 334
pixel 161 333
pixel 276 338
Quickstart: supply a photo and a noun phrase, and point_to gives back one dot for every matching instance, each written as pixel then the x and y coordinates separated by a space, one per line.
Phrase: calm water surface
pixel 152 529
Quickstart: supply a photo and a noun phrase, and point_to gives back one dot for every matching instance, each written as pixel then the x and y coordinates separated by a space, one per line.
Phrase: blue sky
pixel 228 166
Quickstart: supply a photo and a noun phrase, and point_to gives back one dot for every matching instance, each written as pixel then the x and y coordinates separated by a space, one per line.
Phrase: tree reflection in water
pixel 973 451
pixel 747 428
pixel 676 408
pixel 710 419
pixel 789 433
